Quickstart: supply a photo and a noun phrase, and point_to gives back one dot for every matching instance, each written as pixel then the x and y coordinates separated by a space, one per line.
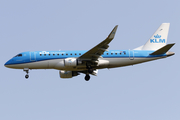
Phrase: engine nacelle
pixel 70 62
pixel 67 74
pixel 103 63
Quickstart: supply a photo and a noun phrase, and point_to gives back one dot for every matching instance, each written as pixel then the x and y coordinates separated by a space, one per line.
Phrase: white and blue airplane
pixel 72 63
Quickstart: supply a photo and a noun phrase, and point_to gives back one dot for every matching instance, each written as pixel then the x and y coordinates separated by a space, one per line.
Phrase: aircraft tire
pixel 87 77
pixel 26 76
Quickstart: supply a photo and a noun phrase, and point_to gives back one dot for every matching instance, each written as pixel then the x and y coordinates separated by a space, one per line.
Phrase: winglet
pixel 112 34
pixel 163 49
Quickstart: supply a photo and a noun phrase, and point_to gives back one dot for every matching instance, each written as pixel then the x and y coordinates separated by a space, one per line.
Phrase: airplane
pixel 72 63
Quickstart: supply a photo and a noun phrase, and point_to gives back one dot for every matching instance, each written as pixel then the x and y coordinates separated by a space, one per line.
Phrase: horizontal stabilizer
pixel 163 49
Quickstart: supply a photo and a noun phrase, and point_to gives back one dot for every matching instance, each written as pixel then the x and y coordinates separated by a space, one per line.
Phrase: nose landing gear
pixel 26 76
pixel 27 71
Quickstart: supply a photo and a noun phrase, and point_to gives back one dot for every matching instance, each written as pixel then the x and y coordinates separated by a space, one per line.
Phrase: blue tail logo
pixel 157 39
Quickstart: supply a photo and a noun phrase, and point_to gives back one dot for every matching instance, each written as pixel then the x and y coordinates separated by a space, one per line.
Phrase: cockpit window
pixel 19 55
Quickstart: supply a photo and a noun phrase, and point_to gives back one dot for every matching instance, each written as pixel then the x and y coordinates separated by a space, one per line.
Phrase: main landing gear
pixel 27 71
pixel 89 71
pixel 87 77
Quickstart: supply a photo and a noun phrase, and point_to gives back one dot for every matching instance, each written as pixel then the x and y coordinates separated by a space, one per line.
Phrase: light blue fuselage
pixel 55 59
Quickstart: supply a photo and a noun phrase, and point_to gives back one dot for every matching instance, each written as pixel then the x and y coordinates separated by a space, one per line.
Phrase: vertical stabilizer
pixel 158 39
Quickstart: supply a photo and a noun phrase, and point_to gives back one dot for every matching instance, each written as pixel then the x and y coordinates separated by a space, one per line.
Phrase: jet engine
pixel 68 62
pixel 67 74
pixel 72 62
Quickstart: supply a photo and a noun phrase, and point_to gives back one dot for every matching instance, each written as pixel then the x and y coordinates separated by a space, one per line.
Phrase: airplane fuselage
pixel 55 59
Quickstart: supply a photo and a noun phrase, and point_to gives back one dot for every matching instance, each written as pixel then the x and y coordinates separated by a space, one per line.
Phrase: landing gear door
pixel 131 54
pixel 32 56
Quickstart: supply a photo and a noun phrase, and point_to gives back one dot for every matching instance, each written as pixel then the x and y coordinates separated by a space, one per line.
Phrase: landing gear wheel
pixel 26 76
pixel 27 71
pixel 87 77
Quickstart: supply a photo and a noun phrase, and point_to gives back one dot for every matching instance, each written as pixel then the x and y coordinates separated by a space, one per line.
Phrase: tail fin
pixel 158 39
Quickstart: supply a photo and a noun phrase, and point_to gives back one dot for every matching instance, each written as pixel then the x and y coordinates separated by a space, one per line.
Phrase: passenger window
pixel 53 54
pixel 49 54
pixel 71 54
pixel 79 53
pixel 75 54
pixel 40 54
pixel 116 53
pixel 58 54
pixel 111 53
pixel 66 54
pixel 44 54
pixel 107 53
pixel 62 54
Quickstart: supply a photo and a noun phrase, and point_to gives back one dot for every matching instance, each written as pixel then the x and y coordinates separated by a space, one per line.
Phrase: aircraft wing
pixel 98 50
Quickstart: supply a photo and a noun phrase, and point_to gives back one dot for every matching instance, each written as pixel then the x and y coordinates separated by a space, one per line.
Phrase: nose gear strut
pixel 27 71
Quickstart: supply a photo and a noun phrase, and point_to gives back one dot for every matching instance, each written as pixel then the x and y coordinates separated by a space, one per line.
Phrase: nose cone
pixel 7 63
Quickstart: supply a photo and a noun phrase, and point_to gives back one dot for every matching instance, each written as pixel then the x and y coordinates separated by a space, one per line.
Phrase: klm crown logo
pixel 157 39
pixel 157 36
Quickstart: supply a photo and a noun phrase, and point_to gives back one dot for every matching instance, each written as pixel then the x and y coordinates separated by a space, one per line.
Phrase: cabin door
pixel 131 54
pixel 32 56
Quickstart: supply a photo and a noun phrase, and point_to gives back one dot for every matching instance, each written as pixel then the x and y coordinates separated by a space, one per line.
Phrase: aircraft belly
pixel 119 62
pixel 38 65
pixel 18 66
pixel 56 64
pixel 31 65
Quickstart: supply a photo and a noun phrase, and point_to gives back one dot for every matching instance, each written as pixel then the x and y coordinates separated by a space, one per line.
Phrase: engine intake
pixel 67 74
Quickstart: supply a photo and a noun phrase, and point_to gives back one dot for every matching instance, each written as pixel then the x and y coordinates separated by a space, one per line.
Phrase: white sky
pixel 146 91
